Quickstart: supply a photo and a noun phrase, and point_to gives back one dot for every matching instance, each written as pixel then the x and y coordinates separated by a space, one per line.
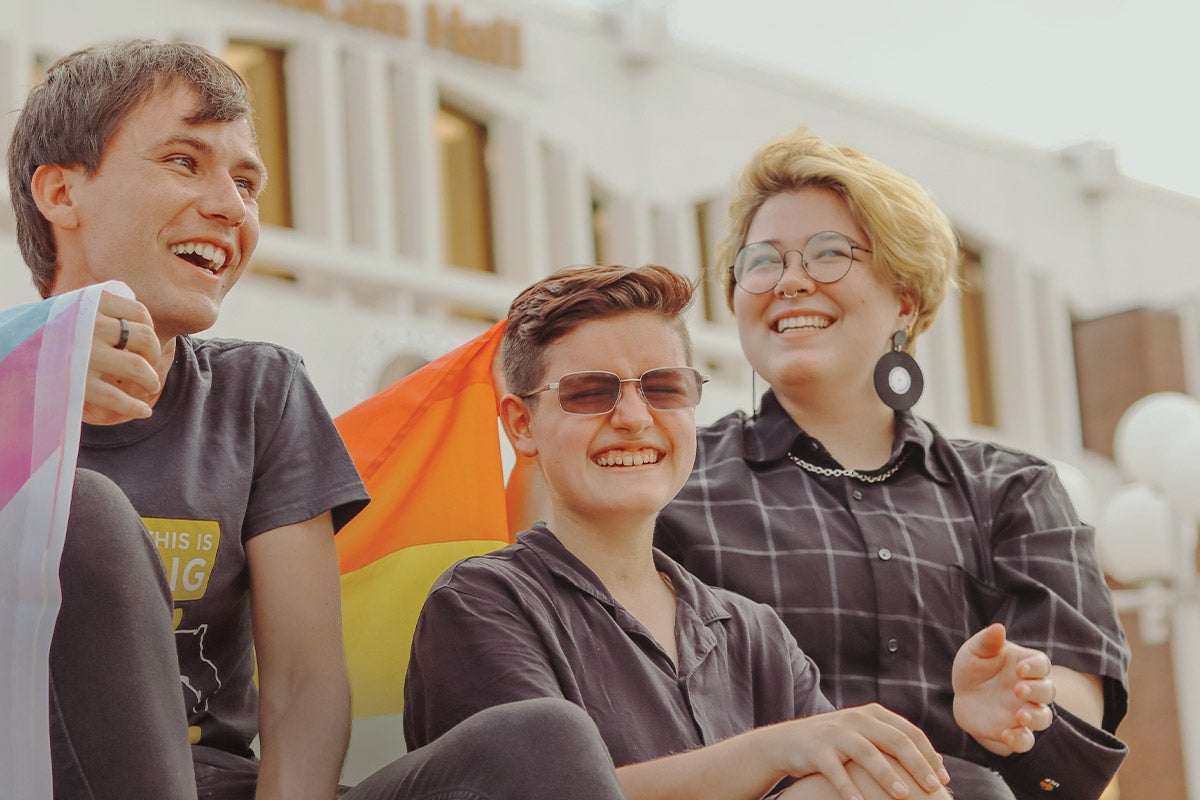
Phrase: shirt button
pixel 892 645
pixel 885 554
pixel 857 494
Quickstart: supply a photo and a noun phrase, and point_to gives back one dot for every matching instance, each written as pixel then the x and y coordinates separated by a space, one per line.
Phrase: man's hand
pixel 121 383
pixel 1002 691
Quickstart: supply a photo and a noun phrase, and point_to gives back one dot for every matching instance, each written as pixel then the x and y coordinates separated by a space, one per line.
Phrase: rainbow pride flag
pixel 44 351
pixel 428 449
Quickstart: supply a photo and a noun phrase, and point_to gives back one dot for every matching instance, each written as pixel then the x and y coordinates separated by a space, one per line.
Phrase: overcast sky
pixel 1042 72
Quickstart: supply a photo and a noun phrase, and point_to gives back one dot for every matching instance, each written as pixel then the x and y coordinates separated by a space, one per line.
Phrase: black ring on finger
pixel 123 339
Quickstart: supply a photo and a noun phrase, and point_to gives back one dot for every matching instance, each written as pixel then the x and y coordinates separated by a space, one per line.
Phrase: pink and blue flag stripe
pixel 44 351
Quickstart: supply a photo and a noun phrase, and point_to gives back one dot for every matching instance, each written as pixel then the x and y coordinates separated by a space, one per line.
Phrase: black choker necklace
pixel 865 477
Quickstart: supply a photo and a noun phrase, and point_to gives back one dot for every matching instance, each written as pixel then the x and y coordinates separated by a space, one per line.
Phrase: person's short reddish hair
pixel 554 306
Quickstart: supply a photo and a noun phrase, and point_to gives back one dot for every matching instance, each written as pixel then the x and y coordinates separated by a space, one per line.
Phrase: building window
pixel 466 189
pixel 976 344
pixel 262 67
pixel 709 282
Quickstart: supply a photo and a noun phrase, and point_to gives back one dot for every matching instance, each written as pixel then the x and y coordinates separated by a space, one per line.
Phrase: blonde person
pixel 884 545
pixel 696 692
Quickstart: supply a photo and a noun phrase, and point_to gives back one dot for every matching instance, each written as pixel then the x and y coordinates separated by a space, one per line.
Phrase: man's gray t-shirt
pixel 239 444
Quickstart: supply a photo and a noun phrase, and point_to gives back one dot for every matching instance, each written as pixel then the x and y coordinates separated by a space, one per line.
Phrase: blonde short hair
pixel 913 243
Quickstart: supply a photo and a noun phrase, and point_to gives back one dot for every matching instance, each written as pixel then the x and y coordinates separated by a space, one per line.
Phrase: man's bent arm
pixel 304 693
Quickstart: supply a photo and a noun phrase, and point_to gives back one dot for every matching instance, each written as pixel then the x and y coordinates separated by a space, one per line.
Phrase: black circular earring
pixel 898 378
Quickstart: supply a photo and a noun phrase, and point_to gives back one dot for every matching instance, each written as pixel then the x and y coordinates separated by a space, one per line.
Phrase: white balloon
pixel 1147 428
pixel 1133 535
pixel 1181 475
pixel 1079 489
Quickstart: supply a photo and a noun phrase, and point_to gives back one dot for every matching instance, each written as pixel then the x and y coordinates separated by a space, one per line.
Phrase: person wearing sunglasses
pixel 887 548
pixel 680 679
pixel 198 570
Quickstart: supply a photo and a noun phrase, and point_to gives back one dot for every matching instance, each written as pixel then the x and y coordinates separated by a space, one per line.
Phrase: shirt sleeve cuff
pixel 1070 759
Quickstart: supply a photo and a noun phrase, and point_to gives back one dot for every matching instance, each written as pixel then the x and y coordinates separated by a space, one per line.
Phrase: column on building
pixel 627 238
pixel 369 154
pixel 519 204
pixel 1016 352
pixel 674 242
pixel 568 205
pixel 316 111
pixel 413 104
pixel 1054 382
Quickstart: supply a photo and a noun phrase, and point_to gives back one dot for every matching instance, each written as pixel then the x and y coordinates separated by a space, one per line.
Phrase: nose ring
pixel 791 295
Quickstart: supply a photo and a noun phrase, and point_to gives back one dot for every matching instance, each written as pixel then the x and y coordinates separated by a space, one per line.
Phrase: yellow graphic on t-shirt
pixel 188 548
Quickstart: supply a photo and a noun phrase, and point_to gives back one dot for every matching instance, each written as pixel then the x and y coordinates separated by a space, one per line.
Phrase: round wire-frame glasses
pixel 827 257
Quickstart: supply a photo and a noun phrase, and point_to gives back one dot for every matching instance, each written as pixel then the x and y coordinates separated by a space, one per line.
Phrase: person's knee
pixel 107 552
pixel 549 722
pixel 968 779
pixel 547 738
pixel 98 509
pixel 540 749
pixel 545 716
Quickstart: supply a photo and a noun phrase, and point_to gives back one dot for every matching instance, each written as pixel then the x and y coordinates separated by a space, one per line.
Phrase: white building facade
pixel 430 160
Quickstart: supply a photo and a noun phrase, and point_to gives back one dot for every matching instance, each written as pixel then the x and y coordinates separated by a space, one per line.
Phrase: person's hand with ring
pixel 122 381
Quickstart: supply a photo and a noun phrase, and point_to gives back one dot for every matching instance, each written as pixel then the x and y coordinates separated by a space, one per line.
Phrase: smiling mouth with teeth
pixel 806 321
pixel 205 256
pixel 627 458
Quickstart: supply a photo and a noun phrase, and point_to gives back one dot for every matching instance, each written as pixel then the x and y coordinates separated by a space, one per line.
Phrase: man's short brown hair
pixel 70 117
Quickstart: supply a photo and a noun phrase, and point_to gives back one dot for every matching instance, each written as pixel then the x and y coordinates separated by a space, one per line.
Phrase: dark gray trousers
pixel 545 749
pixel 117 721
pixel 970 781
pixel 118 729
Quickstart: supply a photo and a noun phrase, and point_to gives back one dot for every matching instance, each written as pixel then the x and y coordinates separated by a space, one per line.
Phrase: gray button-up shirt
pixel 532 620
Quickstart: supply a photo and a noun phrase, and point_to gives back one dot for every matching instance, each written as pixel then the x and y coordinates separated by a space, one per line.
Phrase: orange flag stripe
pixel 428 450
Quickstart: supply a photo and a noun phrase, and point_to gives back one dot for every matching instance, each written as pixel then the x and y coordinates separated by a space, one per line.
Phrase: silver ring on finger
pixel 123 339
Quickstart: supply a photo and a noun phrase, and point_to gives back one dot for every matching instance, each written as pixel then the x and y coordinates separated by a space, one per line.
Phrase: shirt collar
pixel 567 566
pixel 770 434
pixel 690 590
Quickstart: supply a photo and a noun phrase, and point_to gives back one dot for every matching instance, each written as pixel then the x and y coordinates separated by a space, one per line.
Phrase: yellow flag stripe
pixel 380 605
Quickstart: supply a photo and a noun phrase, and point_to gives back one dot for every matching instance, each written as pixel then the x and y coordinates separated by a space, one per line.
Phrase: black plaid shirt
pixel 881 583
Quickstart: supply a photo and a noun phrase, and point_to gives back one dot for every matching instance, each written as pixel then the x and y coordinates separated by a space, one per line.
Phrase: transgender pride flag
pixel 44 349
